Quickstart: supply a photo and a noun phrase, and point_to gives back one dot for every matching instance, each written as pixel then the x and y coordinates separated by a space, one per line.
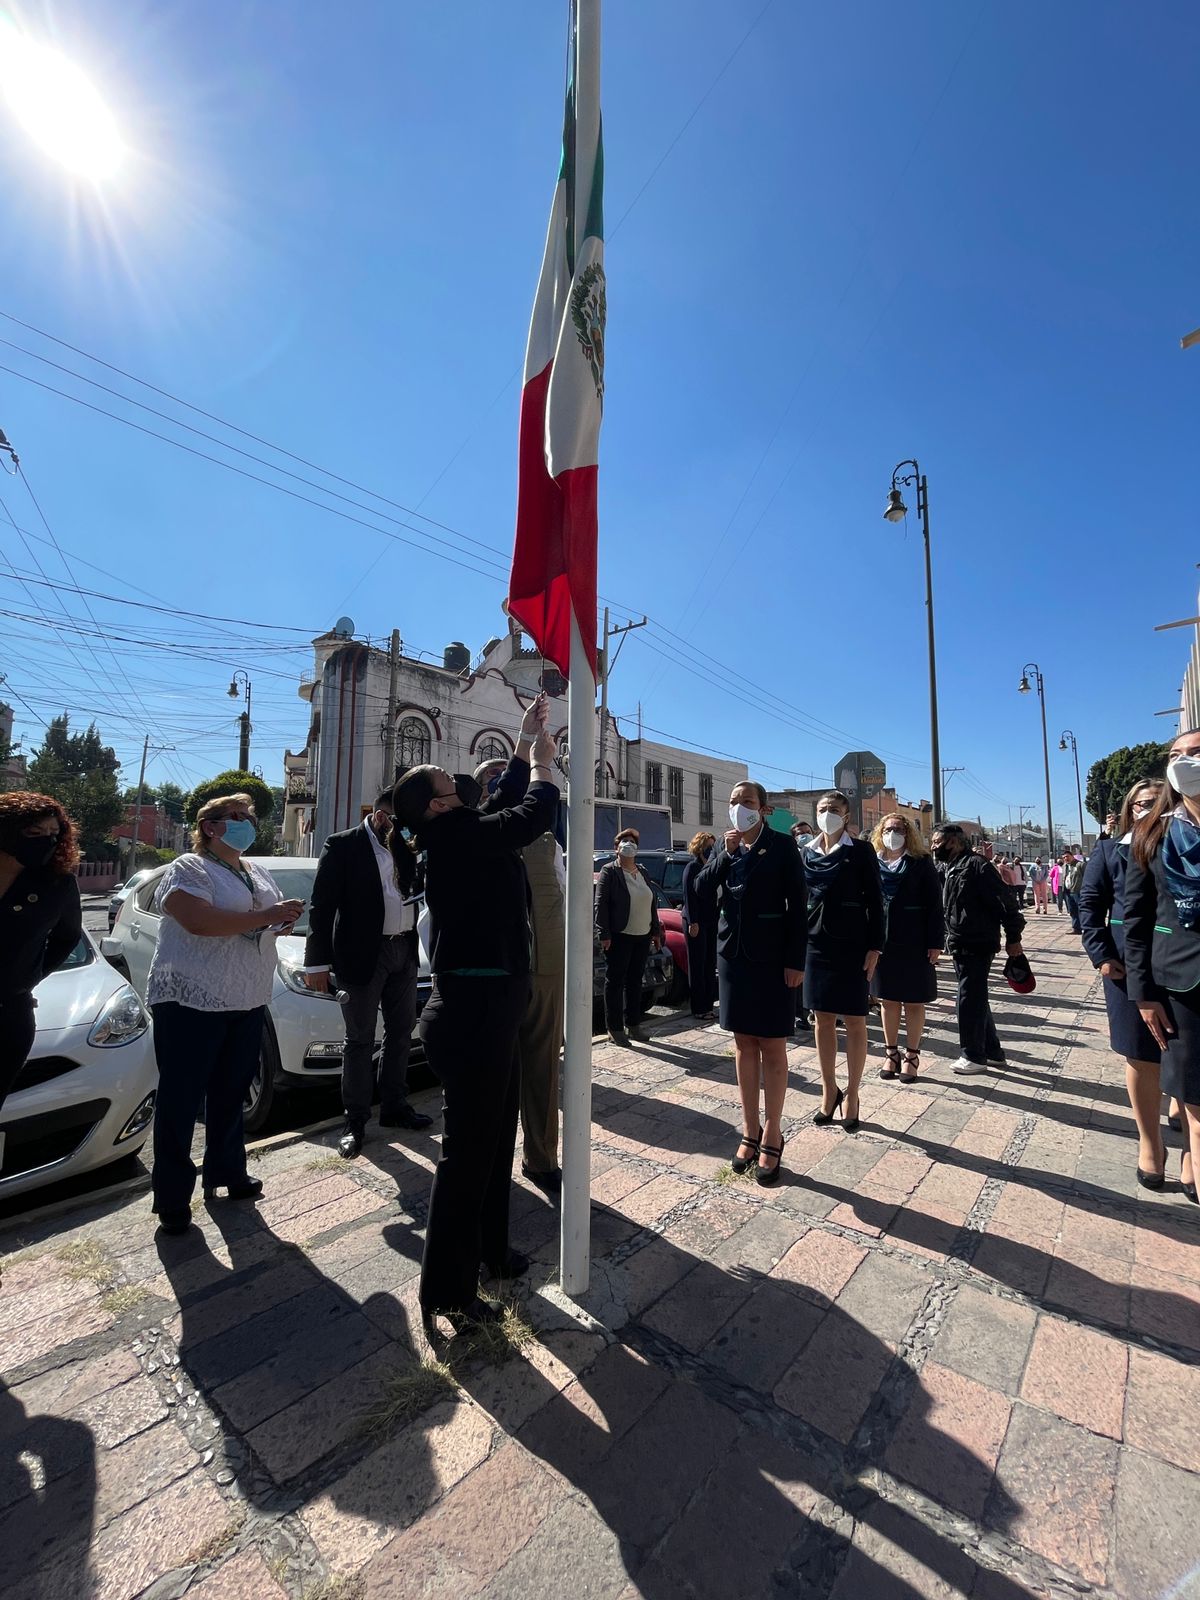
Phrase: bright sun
pixel 58 107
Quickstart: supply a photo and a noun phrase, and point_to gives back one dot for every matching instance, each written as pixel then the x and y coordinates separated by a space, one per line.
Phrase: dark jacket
pixel 768 922
pixel 41 922
pixel 1159 952
pixel 913 917
pixel 697 906
pixel 475 884
pixel 612 902
pixel 847 920
pixel 977 904
pixel 345 917
pixel 1102 902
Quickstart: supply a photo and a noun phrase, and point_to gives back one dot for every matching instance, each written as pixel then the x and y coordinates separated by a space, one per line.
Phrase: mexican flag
pixel 554 556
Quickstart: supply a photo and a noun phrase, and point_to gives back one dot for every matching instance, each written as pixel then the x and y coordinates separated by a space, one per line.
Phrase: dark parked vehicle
pixel 662 867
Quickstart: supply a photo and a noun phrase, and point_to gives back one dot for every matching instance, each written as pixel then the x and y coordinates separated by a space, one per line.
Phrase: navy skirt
pixel 838 986
pixel 1181 1058
pixel 1127 1033
pixel 905 974
pixel 754 998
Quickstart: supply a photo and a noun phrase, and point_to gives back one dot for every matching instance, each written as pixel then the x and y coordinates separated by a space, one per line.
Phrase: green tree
pixel 80 771
pixel 1111 778
pixel 239 783
pixel 173 800
pixel 149 795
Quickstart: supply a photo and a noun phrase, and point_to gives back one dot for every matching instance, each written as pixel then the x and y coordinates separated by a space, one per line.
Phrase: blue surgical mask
pixel 239 833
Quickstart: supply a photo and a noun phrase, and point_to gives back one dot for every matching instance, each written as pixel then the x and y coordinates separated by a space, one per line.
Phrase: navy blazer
pixel 848 919
pixel 1102 902
pixel 913 918
pixel 767 923
pixel 697 906
pixel 1158 949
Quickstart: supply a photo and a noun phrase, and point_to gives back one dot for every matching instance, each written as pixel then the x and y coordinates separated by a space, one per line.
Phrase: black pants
pixel 977 1036
pixel 469 1028
pixel 205 1057
pixel 1072 901
pixel 392 990
pixel 624 967
pixel 702 968
pixel 17 1029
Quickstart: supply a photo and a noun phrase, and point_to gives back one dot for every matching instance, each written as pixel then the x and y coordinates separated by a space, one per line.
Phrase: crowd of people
pixel 785 931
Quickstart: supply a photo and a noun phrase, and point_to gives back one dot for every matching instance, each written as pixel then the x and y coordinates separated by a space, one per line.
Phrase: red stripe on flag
pixel 554 556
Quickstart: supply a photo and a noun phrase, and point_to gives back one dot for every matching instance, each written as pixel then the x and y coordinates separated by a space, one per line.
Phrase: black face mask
pixel 467 790
pixel 945 852
pixel 32 852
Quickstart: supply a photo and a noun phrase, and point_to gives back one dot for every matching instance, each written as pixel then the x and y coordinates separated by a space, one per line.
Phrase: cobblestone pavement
pixel 957 1353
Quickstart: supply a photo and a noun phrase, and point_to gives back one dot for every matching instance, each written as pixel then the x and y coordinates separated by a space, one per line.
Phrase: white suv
pixel 304 1036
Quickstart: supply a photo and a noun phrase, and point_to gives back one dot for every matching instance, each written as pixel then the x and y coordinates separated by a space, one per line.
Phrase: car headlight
pixel 122 1020
pixel 293 977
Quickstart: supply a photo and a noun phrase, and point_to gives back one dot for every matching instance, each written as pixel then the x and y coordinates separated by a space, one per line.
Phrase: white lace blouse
pixel 230 973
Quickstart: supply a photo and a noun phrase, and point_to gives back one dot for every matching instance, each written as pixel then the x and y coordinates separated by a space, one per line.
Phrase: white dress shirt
pixel 398 916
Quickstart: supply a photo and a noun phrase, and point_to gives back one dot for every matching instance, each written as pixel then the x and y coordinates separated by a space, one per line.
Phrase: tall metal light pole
pixel 1064 737
pixel 896 511
pixel 243 719
pixel 1023 688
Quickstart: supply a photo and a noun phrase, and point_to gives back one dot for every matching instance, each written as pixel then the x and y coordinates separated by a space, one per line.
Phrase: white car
pixel 86 1095
pixel 304 1035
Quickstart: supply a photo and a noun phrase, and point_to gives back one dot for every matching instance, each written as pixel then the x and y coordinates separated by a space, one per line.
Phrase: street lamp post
pixel 1067 737
pixel 1023 688
pixel 238 680
pixel 896 511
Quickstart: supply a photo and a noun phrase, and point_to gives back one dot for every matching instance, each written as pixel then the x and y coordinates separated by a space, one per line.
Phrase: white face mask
pixel 894 839
pixel 1183 773
pixel 743 818
pixel 628 850
pixel 1142 811
pixel 830 823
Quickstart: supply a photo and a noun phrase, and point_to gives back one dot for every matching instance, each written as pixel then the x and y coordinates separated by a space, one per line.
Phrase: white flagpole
pixel 575 1243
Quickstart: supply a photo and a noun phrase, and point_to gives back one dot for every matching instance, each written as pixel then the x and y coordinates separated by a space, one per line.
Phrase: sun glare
pixel 59 107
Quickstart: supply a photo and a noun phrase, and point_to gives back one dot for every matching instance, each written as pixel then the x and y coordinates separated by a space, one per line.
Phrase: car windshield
pixel 81 956
pixel 673 874
pixel 295 883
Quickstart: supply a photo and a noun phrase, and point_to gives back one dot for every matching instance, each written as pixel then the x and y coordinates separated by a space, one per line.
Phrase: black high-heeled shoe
pixel 849 1123
pixel 740 1165
pixel 1175 1124
pixel 769 1175
pixel 822 1118
pixel 1189 1189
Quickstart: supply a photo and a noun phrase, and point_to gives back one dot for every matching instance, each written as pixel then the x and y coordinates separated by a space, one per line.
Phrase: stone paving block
pixel 758 1344
pixel 866 1214
pixel 832 1383
pixel 930 1231
pixel 1162 1401
pixel 1095 1286
pixel 986 1338
pixel 231 1301
pixel 299 1365
pixel 573 1539
pixel 34 1340
pixel 653 1472
pixel 848 1162
pixel 648 1274
pixel 1027 1214
pixel 651 1202
pixel 1016 1265
pixel 578 1428
pixel 361 1512
pixel 458 1546
pixel 327 1416
pixel 1164 1245
pixel 1165 1307
pixel 350 1208
pixel 820 1265
pixel 1078 1374
pixel 884 1295
pixel 760 1243
pixel 290 1200
pixel 897 1557
pixel 949 1438
pixel 55 1295
pixel 1158 1513
pixel 1054 1492
pixel 949 1186
pixel 698 1306
pixel 1089 1231
pixel 242 1577
pixel 714 1220
pixel 63 1390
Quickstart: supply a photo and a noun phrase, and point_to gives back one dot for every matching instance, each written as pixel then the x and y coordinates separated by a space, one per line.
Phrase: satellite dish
pixel 344 628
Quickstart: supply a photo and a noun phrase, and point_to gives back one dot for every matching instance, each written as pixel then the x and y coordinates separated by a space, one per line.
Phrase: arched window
pixel 491 749
pixel 413 744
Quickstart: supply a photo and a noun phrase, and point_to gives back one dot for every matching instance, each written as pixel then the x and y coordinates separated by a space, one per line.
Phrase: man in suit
pixel 363 924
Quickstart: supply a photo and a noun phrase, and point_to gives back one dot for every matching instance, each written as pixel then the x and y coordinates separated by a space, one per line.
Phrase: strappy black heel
pixel 740 1165
pixel 912 1060
pixel 766 1176
pixel 821 1118
pixel 892 1070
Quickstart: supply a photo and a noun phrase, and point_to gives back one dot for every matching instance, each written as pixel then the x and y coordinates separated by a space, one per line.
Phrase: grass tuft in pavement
pixel 327 1164
pixel 495 1342
pixel 726 1175
pixel 350 1586
pixel 217 1543
pixel 407 1396
pixel 87 1260
pixel 127 1298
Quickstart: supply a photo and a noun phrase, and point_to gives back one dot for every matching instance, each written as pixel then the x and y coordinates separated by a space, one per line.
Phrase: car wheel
pixel 261 1095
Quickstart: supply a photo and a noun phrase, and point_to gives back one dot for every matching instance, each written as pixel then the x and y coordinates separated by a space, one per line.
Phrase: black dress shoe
pixel 174 1221
pixel 351 1141
pixel 404 1116
pixel 243 1189
pixel 548 1182
pixel 514 1265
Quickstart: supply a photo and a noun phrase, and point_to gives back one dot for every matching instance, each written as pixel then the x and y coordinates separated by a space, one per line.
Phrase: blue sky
pixel 965 233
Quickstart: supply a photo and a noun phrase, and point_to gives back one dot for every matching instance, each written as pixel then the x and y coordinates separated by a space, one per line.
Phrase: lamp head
pixel 1062 744
pixel 233 689
pixel 896 510
pixel 1023 686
